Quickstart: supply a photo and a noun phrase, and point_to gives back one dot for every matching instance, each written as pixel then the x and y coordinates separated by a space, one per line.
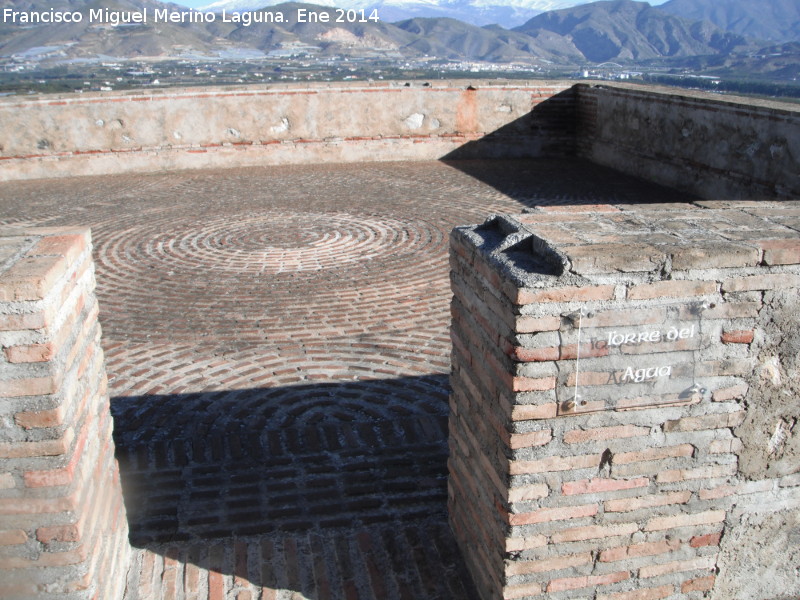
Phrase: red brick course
pixel 737 337
pixel 593 486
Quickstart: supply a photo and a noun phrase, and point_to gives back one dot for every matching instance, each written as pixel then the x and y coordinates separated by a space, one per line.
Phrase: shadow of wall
pixel 317 489
pixel 697 144
pixel 548 130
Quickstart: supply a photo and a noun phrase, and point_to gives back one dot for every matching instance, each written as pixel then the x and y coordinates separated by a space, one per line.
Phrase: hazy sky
pixel 196 3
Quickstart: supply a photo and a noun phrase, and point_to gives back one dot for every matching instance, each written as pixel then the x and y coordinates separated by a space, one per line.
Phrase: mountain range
pixel 625 30
pixel 610 30
pixel 507 13
pixel 774 20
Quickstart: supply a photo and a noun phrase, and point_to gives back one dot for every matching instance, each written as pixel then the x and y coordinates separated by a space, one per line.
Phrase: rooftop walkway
pixel 277 348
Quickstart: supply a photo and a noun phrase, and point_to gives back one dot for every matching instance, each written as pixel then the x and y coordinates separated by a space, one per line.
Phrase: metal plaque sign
pixel 632 358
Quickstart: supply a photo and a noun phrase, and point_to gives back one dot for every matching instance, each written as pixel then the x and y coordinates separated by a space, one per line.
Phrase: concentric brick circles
pixel 272 242
pixel 261 275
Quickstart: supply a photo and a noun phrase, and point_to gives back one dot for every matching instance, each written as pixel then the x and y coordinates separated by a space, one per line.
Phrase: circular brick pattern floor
pixel 271 243
pixel 333 270
pixel 277 348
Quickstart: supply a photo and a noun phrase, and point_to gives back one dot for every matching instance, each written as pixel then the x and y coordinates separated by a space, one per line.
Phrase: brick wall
pixel 713 146
pixel 608 363
pixel 196 128
pixel 693 141
pixel 63 532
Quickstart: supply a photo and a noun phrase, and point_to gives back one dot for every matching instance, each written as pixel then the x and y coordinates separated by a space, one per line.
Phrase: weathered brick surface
pixel 73 542
pixel 641 594
pixel 639 550
pixel 632 341
pixel 594 486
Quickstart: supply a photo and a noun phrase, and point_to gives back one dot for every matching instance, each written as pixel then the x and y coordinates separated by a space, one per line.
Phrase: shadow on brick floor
pixel 330 490
pixel 565 182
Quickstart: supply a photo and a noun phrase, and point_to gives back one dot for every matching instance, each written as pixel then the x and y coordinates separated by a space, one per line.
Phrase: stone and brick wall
pixel 697 142
pixel 615 371
pixel 63 532
pixel 713 146
pixel 163 130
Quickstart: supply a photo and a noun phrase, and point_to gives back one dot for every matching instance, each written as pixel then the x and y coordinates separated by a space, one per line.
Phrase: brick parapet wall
pixel 712 146
pixel 195 128
pixel 701 143
pixel 626 490
pixel 63 532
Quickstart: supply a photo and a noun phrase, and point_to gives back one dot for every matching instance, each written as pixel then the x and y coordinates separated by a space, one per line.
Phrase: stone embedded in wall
pixel 281 127
pixel 414 121
pixel 631 494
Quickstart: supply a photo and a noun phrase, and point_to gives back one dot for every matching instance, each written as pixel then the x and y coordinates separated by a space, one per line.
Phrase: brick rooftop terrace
pixel 278 352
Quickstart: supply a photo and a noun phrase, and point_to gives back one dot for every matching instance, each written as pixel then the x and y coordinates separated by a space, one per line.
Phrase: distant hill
pixel 86 39
pixel 507 13
pixel 352 39
pixel 626 30
pixel 440 37
pixel 450 38
pixel 775 20
pixel 618 30
pixel 780 62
